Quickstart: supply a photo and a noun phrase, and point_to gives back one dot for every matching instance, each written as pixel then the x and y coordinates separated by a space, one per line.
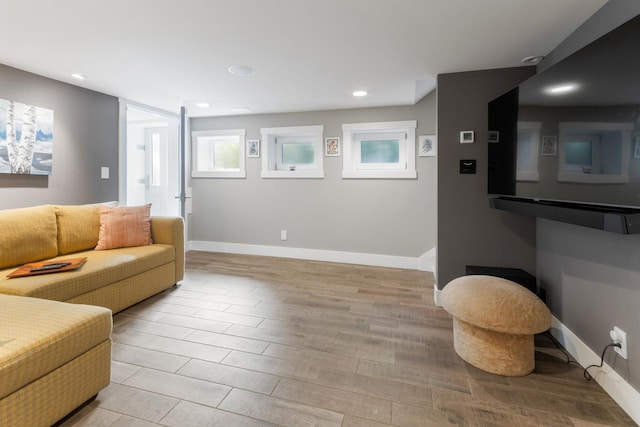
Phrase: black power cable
pixel 585 372
pixel 559 346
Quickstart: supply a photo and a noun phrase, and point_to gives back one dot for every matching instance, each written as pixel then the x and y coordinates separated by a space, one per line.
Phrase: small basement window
pixel 218 154
pixel 292 152
pixel 379 150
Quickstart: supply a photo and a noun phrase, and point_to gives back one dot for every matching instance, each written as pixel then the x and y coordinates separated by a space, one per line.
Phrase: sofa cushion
pixel 101 269
pixel 124 226
pixel 28 234
pixel 78 228
pixel 38 336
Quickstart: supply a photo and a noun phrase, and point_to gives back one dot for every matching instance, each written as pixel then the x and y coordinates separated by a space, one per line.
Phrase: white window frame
pixel 352 134
pixel 240 173
pixel 532 173
pixel 271 146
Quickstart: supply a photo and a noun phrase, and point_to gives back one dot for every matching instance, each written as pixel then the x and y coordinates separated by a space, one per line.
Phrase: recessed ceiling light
pixel 360 93
pixel 202 105
pixel 530 60
pixel 561 89
pixel 78 76
pixel 241 70
pixel 242 110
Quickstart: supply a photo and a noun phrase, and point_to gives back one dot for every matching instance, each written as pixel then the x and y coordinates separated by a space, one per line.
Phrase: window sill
pixel 527 176
pixel 240 174
pixel 369 174
pixel 305 174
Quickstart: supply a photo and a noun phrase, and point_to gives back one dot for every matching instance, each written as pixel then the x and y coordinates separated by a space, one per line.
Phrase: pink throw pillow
pixel 122 227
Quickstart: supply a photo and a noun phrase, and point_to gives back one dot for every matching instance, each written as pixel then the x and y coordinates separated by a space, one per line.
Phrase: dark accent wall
pixel 85 129
pixel 592 278
pixel 469 232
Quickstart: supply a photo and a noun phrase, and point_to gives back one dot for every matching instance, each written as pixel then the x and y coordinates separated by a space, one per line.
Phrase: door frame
pixel 124 105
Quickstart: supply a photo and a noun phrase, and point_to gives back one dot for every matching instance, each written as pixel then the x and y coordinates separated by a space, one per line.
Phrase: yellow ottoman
pixel 53 357
pixel 494 321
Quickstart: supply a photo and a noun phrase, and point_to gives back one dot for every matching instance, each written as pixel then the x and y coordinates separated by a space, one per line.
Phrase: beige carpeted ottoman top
pixel 495 304
pixel 38 336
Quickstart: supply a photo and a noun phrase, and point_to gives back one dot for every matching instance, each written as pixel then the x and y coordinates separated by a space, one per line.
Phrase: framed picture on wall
pixel 332 146
pixel 27 149
pixel 253 148
pixel 427 145
pixel 549 146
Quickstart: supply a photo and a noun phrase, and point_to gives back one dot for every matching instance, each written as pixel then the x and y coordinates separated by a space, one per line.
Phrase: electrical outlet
pixel 619 336
pixel 283 234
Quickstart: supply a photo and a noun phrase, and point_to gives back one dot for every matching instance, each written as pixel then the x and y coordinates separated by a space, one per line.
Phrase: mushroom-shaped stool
pixel 494 321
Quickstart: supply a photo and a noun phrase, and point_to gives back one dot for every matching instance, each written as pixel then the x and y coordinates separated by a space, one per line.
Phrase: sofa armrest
pixel 170 231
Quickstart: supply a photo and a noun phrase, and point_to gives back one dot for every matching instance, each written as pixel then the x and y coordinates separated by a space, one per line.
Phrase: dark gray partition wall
pixel 469 231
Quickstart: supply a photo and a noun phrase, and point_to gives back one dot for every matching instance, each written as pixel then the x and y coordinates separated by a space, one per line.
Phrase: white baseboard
pixel 427 261
pixel 308 254
pixel 436 295
pixel 620 390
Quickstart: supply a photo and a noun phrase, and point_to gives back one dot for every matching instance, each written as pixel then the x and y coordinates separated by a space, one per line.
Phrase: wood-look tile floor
pixel 255 341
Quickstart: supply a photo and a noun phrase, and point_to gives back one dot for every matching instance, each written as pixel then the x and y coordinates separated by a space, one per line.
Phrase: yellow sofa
pixel 115 278
pixel 55 355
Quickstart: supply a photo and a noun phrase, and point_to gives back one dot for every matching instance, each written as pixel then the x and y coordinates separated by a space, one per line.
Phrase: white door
pixel 152 161
pixel 156 178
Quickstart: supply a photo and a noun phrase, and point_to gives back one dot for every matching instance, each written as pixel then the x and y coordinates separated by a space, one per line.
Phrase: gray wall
pixel 85 131
pixel 469 232
pixel 387 217
pixel 592 277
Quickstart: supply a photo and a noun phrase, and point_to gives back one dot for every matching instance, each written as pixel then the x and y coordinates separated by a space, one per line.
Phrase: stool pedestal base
pixel 496 352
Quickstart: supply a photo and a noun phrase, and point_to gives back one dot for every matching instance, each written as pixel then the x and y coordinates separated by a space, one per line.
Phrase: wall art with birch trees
pixel 26 139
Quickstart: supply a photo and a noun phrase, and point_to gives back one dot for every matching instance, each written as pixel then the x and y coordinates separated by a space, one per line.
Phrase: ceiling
pixel 308 55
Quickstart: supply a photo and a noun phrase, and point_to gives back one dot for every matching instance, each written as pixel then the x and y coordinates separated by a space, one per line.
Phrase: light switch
pixel 104 172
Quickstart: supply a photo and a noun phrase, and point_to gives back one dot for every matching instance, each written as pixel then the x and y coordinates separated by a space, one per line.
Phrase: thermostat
pixel 467 137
